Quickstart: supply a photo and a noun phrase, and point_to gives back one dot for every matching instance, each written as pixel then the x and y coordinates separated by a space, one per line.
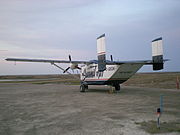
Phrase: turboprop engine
pixel 71 66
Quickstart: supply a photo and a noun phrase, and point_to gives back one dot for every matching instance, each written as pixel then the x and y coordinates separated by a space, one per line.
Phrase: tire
pixel 117 87
pixel 82 88
pixel 86 86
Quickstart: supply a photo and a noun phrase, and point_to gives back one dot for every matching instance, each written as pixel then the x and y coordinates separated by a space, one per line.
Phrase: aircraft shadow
pixel 100 91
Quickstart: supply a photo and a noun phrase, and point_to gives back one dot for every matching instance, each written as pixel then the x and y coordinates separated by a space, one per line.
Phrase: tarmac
pixel 58 109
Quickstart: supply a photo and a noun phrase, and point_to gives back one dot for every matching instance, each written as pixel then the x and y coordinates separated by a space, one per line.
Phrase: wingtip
pixel 9 59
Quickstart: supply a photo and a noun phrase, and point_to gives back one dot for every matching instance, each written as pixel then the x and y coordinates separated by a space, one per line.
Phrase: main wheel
pixel 82 88
pixel 86 86
pixel 117 87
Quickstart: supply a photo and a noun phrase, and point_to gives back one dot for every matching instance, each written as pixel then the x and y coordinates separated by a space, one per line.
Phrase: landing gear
pixel 83 87
pixel 117 87
pixel 114 88
pixel 86 86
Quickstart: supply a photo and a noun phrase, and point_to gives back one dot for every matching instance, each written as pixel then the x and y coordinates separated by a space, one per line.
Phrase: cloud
pixel 54 29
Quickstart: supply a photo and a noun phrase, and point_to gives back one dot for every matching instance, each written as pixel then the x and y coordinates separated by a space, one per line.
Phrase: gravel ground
pixel 54 109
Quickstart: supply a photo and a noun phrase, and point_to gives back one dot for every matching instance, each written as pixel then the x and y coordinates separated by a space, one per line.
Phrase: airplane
pixel 106 72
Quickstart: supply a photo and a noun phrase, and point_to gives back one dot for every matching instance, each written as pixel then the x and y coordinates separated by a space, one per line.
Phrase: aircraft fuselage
pixel 114 74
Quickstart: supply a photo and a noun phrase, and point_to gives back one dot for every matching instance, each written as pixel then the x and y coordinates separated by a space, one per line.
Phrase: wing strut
pixel 64 70
pixel 59 67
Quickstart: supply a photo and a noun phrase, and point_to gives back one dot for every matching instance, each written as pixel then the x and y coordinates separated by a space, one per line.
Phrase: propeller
pixel 78 67
pixel 70 58
pixel 66 70
pixel 69 66
pixel 111 57
pixel 72 66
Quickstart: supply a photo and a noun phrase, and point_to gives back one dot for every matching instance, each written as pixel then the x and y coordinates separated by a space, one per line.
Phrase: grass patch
pixel 165 80
pixel 166 127
pixel 68 82
pixel 58 82
pixel 42 79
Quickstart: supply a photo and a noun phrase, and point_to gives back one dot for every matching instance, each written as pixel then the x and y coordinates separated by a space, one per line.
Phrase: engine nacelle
pixel 73 65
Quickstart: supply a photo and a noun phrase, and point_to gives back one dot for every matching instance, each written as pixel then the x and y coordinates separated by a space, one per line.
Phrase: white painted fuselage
pixel 112 75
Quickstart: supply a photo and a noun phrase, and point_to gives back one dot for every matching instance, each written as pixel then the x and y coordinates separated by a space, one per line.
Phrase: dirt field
pixel 54 109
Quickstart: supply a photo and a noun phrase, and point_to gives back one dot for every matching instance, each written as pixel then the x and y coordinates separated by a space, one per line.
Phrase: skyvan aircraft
pixel 106 72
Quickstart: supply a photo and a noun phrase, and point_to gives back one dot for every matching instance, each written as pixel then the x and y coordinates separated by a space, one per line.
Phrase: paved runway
pixel 50 109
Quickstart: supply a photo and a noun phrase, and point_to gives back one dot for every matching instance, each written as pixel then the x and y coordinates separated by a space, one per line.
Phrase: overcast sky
pixel 54 29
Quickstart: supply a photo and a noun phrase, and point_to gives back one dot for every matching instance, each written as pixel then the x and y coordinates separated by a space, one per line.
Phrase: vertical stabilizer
pixel 157 54
pixel 101 51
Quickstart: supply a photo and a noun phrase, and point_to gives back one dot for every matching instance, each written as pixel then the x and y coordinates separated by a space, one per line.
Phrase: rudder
pixel 101 51
pixel 157 54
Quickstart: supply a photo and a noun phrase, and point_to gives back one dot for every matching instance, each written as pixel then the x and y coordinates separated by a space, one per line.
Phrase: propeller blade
pixel 66 70
pixel 111 58
pixel 70 58
pixel 78 67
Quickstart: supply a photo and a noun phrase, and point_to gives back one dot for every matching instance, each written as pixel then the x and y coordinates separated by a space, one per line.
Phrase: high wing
pixel 49 61
pixel 108 62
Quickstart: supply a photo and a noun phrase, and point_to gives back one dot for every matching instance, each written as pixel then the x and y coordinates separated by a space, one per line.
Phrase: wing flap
pixel 145 62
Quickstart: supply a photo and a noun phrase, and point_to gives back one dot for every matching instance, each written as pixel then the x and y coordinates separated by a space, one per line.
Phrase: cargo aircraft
pixel 106 72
